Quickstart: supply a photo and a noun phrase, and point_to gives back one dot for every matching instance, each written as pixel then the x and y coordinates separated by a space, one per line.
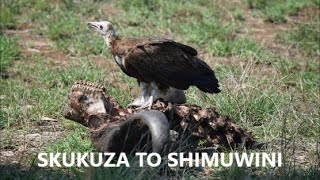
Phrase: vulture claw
pixel 137 102
pixel 147 104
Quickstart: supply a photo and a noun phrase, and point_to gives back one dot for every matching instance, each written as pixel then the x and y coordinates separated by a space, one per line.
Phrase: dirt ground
pixel 49 130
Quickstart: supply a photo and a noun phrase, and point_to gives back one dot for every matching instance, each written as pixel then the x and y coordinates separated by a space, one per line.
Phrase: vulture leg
pixel 154 96
pixel 142 98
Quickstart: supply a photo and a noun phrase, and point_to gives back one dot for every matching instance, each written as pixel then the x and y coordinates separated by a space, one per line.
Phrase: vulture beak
pixel 104 28
pixel 93 25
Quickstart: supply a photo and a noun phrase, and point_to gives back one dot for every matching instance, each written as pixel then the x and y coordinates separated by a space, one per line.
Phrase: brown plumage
pixel 159 62
pixel 165 62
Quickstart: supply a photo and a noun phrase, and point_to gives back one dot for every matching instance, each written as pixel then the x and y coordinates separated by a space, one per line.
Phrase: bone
pixel 203 123
pixel 85 85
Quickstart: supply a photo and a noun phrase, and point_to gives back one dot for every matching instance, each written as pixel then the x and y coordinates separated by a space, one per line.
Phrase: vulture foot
pixel 137 102
pixel 147 104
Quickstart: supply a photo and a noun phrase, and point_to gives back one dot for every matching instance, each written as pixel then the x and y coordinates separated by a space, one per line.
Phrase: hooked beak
pixel 93 25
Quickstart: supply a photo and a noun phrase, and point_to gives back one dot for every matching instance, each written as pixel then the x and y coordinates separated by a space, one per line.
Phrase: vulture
pixel 158 64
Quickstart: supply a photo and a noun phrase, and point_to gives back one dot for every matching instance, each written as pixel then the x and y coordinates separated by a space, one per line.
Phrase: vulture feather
pixel 157 62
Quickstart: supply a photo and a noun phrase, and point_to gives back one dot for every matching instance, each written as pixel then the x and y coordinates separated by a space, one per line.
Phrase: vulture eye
pixel 101 27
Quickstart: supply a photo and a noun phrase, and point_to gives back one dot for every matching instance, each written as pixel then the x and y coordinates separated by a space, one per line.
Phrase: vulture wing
pixel 170 64
pixel 184 48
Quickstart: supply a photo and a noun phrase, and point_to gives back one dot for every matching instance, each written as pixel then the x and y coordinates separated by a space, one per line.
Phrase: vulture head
pixel 105 28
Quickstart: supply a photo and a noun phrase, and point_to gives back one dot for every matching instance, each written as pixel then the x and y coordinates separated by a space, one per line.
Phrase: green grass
pixel 47 84
pixel 7 19
pixel 276 11
pixel 305 37
pixel 71 35
pixel 274 96
pixel 9 51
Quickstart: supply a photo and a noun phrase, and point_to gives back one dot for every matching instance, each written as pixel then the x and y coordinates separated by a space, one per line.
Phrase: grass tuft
pixel 276 11
pixel 305 37
pixel 9 51
pixel 7 19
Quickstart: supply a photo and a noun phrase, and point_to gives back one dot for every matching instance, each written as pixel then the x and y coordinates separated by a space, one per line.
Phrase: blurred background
pixel 265 54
